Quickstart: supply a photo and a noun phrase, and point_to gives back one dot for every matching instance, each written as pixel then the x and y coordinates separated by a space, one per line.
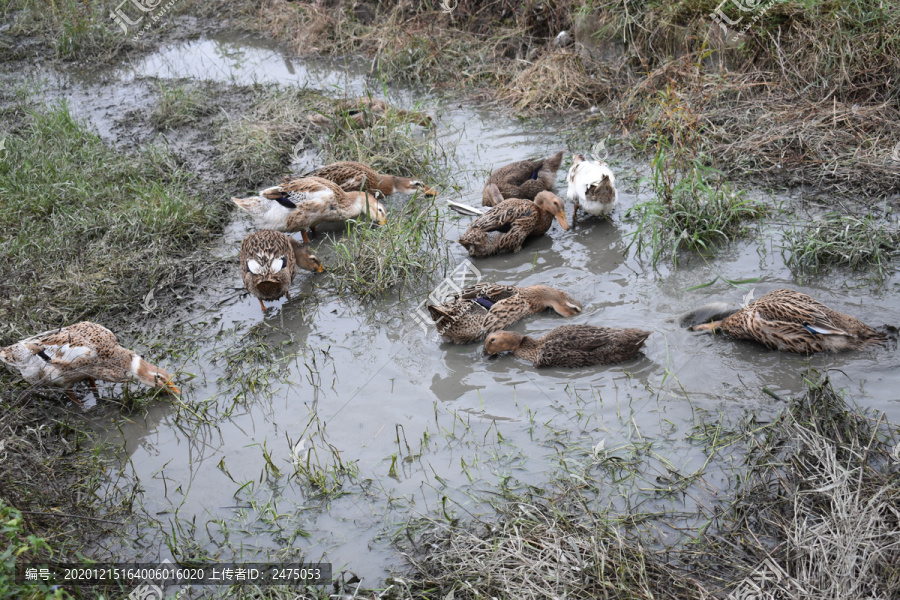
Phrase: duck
pixel 62 357
pixel 591 185
pixel 791 321
pixel 570 345
pixel 506 226
pixel 356 177
pixel 523 179
pixel 302 204
pixel 365 111
pixel 477 310
pixel 269 261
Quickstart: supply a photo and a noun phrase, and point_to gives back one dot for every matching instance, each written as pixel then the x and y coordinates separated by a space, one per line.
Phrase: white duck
pixel 592 185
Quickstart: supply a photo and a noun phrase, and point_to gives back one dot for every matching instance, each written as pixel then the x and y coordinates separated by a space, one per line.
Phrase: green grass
pixel 88 231
pixel 255 148
pixel 693 210
pixel 863 243
pixel 179 105
pixel 20 547
pixel 370 260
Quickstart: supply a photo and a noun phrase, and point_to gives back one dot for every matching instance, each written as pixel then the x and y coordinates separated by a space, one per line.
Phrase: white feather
pixel 69 354
pixel 277 265
pixel 581 177
pixel 254 267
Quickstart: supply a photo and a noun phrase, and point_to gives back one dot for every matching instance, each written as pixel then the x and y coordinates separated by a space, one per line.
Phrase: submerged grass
pixel 815 513
pixel 842 240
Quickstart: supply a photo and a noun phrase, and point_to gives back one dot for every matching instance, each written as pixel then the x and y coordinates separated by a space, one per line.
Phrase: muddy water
pixel 420 422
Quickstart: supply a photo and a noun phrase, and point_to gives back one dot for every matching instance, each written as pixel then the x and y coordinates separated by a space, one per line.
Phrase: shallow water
pixel 380 389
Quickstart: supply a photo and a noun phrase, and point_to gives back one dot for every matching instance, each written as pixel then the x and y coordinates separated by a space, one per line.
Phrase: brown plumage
pixel 506 226
pixel 570 345
pixel 63 357
pixel 479 309
pixel 791 321
pixel 303 203
pixel 357 177
pixel 365 112
pixel 524 179
pixel 269 261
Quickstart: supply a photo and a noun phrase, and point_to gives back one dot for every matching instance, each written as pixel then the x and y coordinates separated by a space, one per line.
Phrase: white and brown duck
pixel 302 204
pixel 480 309
pixel 85 351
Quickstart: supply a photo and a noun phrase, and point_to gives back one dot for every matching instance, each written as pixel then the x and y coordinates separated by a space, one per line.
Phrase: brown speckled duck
pixel 791 321
pixel 303 203
pixel 506 226
pixel 357 177
pixel 524 179
pixel 365 112
pixel 479 309
pixel 63 357
pixel 269 261
pixel 570 345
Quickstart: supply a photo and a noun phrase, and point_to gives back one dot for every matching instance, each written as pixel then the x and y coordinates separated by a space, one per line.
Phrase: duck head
pixel 548 297
pixel 405 185
pixel 502 341
pixel 553 204
pixel 307 260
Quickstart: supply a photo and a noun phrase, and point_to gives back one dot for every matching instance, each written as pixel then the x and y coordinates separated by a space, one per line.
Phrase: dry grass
pixel 558 80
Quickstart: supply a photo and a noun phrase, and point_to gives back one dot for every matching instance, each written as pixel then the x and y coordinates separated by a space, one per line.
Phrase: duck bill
pixel 429 191
pixel 320 269
pixel 172 388
pixel 561 217
pixel 381 222
pixel 715 325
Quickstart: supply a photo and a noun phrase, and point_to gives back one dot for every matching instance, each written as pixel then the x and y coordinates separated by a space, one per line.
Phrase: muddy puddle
pixel 422 427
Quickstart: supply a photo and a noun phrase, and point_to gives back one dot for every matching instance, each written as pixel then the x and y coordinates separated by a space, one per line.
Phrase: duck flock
pixel 520 205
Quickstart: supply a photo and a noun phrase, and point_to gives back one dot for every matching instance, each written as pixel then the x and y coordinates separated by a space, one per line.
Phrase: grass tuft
pixel 179 105
pixel 369 260
pixel 842 240
pixel 559 80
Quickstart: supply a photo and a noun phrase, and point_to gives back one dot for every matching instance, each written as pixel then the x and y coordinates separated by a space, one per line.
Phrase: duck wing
pixel 505 313
pixel 502 216
pixel 792 307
